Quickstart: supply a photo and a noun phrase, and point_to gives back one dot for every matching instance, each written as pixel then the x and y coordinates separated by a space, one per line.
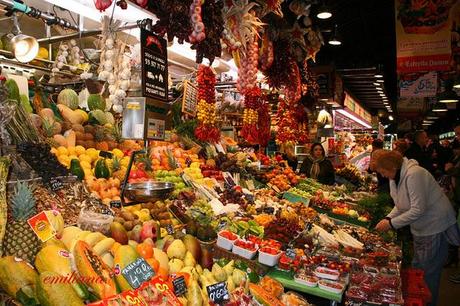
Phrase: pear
pixel 219 274
pixel 228 268
pixel 175 265
pixel 192 271
pixel 230 284
pixel 189 260
pixel 199 269
pixel 193 295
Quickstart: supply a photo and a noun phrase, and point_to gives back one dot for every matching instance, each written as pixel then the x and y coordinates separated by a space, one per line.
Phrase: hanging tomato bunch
pixel 264 122
pixel 206 108
pixel 252 101
pixel 289 128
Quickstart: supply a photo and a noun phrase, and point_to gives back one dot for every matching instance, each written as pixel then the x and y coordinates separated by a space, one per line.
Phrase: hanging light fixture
pixel 457 82
pixel 334 40
pixel 449 95
pixel 324 12
pixel 24 47
pixel 439 107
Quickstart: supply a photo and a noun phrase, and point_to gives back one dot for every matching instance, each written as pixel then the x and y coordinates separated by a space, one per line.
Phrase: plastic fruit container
pixel 331 286
pixel 269 256
pixel 225 242
pixel 307 280
pixel 242 251
pixel 327 273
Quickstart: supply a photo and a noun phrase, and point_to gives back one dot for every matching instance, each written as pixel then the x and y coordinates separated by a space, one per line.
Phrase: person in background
pixel 317 166
pixel 409 138
pixel 401 146
pixel 417 150
pixel 421 204
pixel 289 156
pixel 383 185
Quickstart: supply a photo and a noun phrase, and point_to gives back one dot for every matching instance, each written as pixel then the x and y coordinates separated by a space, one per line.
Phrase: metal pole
pixel 36 13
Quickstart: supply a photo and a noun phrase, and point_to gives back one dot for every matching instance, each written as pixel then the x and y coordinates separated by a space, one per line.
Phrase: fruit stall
pixel 120 186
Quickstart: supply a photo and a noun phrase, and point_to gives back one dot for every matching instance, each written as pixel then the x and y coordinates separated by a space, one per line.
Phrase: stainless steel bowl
pixel 149 191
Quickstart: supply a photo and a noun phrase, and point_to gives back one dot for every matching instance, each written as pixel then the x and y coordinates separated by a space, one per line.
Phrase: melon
pixel 69 98
pixel 124 255
pixel 51 293
pixel 17 274
pixel 90 265
pixel 13 90
pixel 96 101
pixel 26 104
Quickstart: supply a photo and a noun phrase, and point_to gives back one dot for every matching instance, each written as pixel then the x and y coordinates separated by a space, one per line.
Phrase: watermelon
pixel 69 98
pixel 96 101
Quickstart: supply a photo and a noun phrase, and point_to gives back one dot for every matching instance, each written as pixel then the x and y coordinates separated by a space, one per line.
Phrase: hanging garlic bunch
pixel 61 57
pixel 115 67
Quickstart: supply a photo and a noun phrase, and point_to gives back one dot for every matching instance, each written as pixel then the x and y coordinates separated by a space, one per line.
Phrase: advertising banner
pixel 423 34
pixel 426 85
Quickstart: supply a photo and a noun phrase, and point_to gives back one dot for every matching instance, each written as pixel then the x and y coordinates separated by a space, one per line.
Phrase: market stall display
pixel 194 217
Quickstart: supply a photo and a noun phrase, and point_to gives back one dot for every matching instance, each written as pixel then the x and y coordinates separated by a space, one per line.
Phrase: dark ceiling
pixel 367 32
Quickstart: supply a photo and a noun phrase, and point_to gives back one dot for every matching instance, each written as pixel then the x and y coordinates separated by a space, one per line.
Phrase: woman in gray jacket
pixel 420 203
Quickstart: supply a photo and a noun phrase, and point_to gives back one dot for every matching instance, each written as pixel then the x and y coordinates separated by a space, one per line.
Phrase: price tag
pixel 55 184
pixel 137 272
pixel 218 293
pixel 180 288
pixel 170 229
pixel 291 253
pixel 115 204
pixel 105 154
pixel 107 211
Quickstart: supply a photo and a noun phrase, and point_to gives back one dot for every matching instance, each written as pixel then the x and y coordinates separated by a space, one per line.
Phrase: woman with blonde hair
pixel 421 204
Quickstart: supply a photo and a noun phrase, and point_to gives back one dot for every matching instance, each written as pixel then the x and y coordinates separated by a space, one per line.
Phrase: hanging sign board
pixel 190 99
pixel 154 56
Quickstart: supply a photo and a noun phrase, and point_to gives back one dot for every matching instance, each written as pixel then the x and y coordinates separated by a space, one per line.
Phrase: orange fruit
pixel 145 250
pixel 155 264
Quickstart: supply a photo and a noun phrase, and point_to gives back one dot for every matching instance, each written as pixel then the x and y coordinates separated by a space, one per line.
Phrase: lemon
pixel 92 152
pixel 118 153
pixel 73 157
pixel 85 165
pixel 124 161
pixel 64 159
pixel 62 151
pixel 80 150
pixel 87 172
pixel 71 150
pixel 86 158
pixel 54 151
pixel 42 53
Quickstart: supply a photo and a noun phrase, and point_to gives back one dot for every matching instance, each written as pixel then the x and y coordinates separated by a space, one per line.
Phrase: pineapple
pixel 171 160
pixel 116 131
pixel 118 170
pixel 210 155
pixel 20 240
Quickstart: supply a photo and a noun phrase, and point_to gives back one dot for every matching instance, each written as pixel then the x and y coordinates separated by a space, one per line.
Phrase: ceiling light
pixel 24 47
pixel 428 121
pixel 457 82
pixel 380 91
pixel 432 117
pixel 385 99
pixel 380 81
pixel 378 75
pixel 382 94
pixel 439 107
pixel 334 40
pixel 377 84
pixel 324 12
pixel 390 118
pixel 353 117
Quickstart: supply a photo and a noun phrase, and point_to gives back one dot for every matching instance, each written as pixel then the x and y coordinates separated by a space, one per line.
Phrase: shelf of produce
pixel 253 264
pixel 287 281
pixel 343 218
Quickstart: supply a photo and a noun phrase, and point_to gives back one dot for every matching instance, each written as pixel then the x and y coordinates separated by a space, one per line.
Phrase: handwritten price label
pixel 218 293
pixel 138 272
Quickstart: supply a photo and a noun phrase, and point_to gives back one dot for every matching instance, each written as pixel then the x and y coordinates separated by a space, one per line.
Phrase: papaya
pixel 50 293
pixel 263 297
pixel 16 274
pixel 90 265
pixel 124 255
pixel 53 258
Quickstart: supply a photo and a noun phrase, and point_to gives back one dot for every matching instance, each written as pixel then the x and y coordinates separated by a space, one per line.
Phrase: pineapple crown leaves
pixel 171 160
pixel 23 202
pixel 115 163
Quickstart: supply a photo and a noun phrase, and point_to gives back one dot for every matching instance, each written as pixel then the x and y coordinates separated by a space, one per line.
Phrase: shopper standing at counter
pixel 317 166
pixel 418 151
pixel 420 203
